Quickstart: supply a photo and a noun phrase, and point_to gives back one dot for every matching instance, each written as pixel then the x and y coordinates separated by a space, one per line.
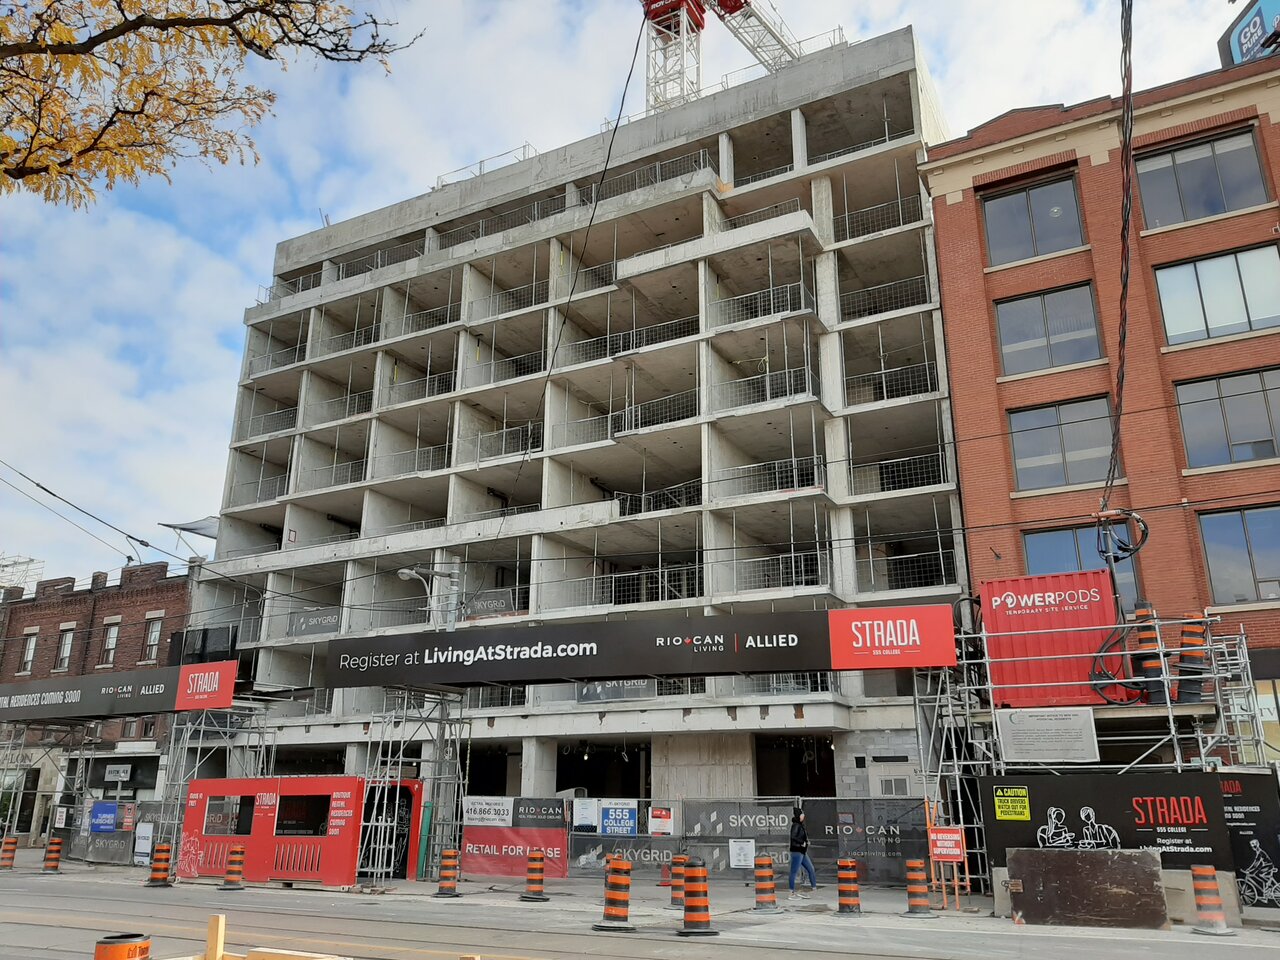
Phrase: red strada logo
pixel 1170 812
pixel 206 685
pixel 889 637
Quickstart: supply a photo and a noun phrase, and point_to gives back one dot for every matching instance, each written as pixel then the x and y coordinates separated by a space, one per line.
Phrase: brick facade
pixel 1083 141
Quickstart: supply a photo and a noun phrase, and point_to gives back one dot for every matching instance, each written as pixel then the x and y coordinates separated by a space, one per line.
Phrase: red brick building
pixel 107 627
pixel 1027 210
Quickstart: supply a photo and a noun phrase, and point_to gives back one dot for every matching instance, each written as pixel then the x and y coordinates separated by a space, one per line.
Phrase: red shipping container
pixel 1048 617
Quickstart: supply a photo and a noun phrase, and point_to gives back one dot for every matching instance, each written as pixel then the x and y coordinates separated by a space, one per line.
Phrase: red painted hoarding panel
pixel 504 851
pixel 1041 633
pixel 881 638
pixel 206 686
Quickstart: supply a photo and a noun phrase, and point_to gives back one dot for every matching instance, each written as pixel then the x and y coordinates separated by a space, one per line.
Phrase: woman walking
pixel 800 855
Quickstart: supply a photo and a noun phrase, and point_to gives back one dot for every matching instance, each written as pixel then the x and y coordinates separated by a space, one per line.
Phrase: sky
pixel 121 325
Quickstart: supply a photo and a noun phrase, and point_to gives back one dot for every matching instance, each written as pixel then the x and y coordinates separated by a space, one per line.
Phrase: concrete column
pixel 828 289
pixel 712 216
pixel 537 767
pixel 357 759
pixel 836 455
pixel 799 140
pixel 831 370
pixel 513 771
pixel 824 210
pixel 844 567
pixel 726 158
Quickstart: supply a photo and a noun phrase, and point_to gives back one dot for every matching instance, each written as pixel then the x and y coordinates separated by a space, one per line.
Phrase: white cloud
pixel 116 381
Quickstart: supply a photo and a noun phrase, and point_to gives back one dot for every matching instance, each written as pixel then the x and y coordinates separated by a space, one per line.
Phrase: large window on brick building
pixel 1063 444
pixel 1219 296
pixel 151 644
pixel 1071 549
pixel 65 639
pixel 1231 420
pixel 28 654
pixel 1047 330
pixel 1243 551
pixel 110 637
pixel 1200 180
pixel 1032 222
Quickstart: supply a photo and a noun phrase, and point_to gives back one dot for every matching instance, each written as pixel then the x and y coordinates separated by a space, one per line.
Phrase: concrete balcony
pixel 655 585
pixel 757 177
pixel 276 359
pixel 600 348
pixel 510 301
pixel 258 491
pixel 335 475
pixel 769 303
pixel 885 298
pixel 888 137
pixel 804 473
pixel 339 408
pixel 305 542
pixel 350 340
pixel 504 368
pixel 890 566
pixel 502 222
pixel 421 321
pixel 900 383
pixel 874 478
pixel 876 219
pixel 420 460
pixel 765 388
pixel 491 445
pixel 422 388
pixel 658 412
pixel 510 511
pixel 761 215
pixel 266 423
pixel 783 571
pixel 687 494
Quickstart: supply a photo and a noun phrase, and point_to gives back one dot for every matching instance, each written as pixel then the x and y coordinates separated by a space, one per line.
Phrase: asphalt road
pixel 61 917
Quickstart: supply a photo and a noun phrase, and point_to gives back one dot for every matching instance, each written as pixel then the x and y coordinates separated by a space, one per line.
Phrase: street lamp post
pixel 425 575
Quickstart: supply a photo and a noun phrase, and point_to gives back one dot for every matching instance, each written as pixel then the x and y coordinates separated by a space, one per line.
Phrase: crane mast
pixel 674 43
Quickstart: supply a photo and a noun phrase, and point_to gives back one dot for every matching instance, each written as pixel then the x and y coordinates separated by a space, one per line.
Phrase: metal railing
pixel 647 176
pixel 795 474
pixel 414 525
pixel 589 278
pixel 883 216
pixel 360 337
pixel 502 222
pixel 652 413
pixel 264 423
pixel 906 571
pixel 526 438
pixel 259 491
pixel 423 320
pixel 504 368
pixel 658 585
pixel 885 297
pixel 788 298
pixel 687 494
pixel 420 389
pixel 405 462
pixel 488 698
pixel 321 541
pixel 910 381
pixel 806 569
pixel 682 687
pixel 763 388
pixel 866 144
pixel 597 348
pixel 786 684
pixel 382 258
pixel 256 550
pixel 339 408
pixel 762 175
pixel 761 215
pixel 512 511
pixel 277 358
pixel 903 473
pixel 508 301
pixel 590 430
pixel 286 288
pixel 400 613
pixel 334 475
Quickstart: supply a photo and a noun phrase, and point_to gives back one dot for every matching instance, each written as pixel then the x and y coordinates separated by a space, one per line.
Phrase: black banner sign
pixel 1251 803
pixel 1178 814
pixel 195 686
pixel 695 646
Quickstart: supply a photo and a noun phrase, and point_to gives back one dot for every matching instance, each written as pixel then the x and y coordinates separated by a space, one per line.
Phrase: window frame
pixel 1272 414
pixel 1057 406
pixel 1075 531
pixel 28 660
pixel 1208 336
pixel 1169 149
pixel 1240 512
pixel 151 645
pixel 1025 187
pixel 129 728
pixel 110 641
pixel 1041 296
pixel 66 643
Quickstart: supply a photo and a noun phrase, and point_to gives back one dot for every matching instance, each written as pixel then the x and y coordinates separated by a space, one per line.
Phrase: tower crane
pixel 674 43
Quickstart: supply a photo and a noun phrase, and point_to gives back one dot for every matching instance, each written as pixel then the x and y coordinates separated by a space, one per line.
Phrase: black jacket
pixel 799 837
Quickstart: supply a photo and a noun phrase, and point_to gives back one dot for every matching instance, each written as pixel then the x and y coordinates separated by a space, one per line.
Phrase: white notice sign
pixel 1050 735
pixel 742 854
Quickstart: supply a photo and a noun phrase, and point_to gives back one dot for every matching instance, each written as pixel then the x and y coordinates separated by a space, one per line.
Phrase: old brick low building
pixel 1028 208
pixel 62 631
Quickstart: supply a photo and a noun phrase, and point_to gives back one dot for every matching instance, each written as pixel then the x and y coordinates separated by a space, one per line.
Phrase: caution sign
pixel 1012 803
pixel 946 844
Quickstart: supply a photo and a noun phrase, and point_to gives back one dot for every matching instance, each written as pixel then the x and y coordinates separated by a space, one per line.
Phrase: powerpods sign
pixel 877 638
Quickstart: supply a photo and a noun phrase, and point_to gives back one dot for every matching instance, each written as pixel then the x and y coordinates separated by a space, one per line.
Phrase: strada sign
pixel 195 686
pixel 863 639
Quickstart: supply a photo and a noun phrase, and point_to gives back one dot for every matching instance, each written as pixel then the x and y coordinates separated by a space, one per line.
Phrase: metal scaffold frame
pixel 24 745
pixel 417 735
pixel 212 744
pixel 960 741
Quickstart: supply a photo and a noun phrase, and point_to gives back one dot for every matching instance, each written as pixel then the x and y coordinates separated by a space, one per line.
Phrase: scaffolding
pixel 416 735
pixel 26 746
pixel 960 740
pixel 211 744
